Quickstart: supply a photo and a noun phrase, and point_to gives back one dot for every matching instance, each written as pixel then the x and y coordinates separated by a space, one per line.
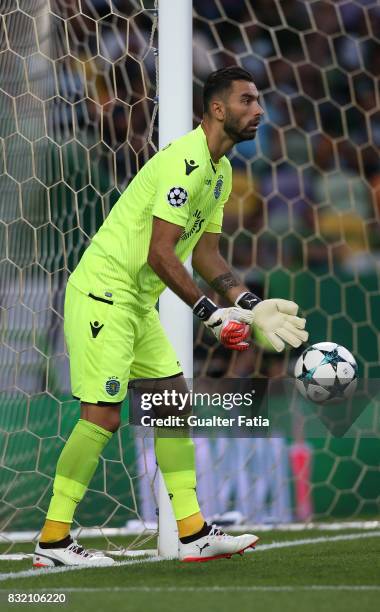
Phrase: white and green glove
pixel 274 321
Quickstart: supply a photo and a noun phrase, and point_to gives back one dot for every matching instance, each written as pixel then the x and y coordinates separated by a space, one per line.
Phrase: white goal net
pixel 77 113
pixel 302 224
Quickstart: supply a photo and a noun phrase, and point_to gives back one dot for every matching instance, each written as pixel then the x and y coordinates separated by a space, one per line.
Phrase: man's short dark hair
pixel 220 81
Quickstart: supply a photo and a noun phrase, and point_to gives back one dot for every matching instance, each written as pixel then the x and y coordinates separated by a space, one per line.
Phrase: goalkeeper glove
pixel 275 320
pixel 229 325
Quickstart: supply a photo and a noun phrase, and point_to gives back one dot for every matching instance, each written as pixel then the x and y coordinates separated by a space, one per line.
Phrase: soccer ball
pixel 326 373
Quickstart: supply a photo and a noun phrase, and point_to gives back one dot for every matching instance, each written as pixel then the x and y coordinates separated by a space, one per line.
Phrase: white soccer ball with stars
pixel 326 373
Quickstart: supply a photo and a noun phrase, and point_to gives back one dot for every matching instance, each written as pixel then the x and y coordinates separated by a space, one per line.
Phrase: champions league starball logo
pixel 177 197
pixel 218 187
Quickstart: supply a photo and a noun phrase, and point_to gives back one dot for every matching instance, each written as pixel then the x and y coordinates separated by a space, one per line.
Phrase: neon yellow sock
pixel 176 458
pixel 75 469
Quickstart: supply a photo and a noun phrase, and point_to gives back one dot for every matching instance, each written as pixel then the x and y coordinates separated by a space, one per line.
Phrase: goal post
pixel 175 118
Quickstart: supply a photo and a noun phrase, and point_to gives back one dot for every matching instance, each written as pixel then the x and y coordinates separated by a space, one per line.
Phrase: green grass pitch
pixel 340 575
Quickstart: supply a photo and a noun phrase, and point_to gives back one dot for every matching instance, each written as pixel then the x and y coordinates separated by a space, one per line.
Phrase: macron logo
pixel 190 166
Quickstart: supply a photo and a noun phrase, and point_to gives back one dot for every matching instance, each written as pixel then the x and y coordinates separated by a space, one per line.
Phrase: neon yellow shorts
pixel 109 345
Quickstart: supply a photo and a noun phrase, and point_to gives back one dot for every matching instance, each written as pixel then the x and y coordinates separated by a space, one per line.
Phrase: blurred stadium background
pixel 78 118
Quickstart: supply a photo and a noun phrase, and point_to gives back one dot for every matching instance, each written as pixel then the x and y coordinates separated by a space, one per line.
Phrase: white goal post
pixel 175 95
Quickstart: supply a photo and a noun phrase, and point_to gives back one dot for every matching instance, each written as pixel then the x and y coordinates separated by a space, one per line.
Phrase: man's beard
pixel 235 132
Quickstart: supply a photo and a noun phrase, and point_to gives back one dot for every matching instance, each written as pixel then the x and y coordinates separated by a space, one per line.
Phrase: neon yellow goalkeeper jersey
pixel 180 184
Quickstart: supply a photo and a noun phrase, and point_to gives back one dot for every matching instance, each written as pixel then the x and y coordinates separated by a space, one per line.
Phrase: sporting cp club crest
pixel 218 187
pixel 113 386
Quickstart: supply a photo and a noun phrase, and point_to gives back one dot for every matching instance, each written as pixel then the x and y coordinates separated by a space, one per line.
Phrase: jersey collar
pixel 214 165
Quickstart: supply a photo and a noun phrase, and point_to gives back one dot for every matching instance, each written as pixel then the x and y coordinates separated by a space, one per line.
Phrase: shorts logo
pixel 112 386
pixel 218 187
pixel 95 328
pixel 177 197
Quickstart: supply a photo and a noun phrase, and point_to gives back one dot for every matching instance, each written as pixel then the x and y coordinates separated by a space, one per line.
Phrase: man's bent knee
pixel 173 394
pixel 106 415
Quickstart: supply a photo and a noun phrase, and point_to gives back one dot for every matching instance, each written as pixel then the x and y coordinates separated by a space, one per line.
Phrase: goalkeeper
pixel 173 207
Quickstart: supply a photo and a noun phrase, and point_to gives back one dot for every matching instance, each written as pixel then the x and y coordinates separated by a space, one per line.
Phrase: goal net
pixel 302 224
pixel 77 117
pixel 77 121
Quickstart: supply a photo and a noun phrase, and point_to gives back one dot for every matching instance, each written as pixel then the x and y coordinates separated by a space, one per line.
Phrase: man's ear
pixel 218 109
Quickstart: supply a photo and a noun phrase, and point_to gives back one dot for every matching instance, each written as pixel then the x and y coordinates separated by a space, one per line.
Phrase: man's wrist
pixel 204 308
pixel 247 300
